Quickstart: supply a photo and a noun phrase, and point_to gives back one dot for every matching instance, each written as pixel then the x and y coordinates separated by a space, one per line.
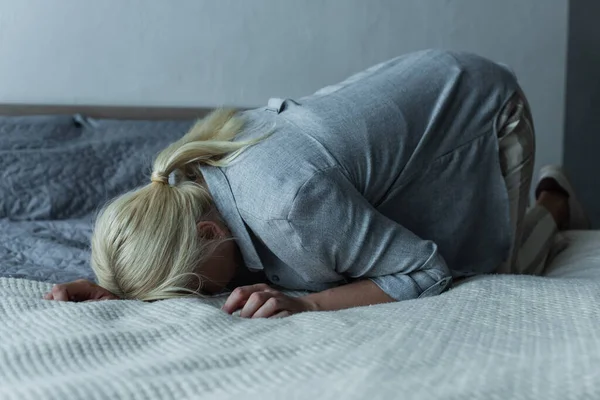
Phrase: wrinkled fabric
pixel 55 173
pixel 492 337
pixel 392 175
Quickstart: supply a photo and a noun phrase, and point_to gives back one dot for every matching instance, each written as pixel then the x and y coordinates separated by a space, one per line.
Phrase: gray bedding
pixel 491 337
pixel 55 173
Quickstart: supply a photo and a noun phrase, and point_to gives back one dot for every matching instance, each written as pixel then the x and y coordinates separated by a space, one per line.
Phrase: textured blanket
pixel 494 337
pixel 489 338
pixel 55 173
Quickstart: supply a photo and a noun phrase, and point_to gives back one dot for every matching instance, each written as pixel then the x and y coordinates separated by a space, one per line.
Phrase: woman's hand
pixel 262 301
pixel 80 290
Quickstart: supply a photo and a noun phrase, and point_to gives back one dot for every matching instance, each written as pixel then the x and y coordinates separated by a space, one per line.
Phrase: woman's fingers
pixel 80 290
pixel 60 292
pixel 271 307
pixel 260 301
pixel 240 296
pixel 256 301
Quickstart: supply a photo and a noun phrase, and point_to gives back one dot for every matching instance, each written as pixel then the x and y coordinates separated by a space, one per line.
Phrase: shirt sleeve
pixel 336 226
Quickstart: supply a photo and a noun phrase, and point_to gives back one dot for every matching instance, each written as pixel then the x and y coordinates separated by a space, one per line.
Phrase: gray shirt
pixel 392 175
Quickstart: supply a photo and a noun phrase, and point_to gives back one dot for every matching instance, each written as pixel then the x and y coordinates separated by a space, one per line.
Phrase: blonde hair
pixel 146 244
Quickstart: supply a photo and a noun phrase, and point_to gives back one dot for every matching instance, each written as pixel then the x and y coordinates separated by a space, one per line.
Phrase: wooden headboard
pixel 113 112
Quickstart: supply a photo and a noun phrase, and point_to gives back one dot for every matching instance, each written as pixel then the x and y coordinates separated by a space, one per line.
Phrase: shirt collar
pixel 222 195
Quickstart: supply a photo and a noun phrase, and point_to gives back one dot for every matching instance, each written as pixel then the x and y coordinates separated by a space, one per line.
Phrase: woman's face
pixel 221 267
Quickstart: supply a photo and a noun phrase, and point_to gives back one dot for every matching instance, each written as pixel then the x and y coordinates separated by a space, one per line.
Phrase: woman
pixel 382 188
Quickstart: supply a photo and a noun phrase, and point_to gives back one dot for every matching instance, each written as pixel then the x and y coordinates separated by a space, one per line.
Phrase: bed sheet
pixel 55 174
pixel 491 337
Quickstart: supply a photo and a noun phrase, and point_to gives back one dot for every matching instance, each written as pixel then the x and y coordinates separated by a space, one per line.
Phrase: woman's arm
pixel 356 294
pixel 80 290
pixel 332 231
pixel 262 301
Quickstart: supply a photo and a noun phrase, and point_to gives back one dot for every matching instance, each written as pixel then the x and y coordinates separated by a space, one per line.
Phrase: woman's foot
pixel 557 204
pixel 555 193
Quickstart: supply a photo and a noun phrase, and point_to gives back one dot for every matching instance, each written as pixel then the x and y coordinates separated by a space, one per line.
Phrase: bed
pixel 491 337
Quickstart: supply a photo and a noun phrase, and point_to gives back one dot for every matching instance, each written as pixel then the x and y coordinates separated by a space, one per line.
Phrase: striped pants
pixel 534 228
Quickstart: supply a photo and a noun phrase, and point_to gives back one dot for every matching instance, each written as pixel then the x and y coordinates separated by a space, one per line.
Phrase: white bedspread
pixel 495 337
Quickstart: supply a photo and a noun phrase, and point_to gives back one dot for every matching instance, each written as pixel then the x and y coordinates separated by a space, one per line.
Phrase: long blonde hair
pixel 146 244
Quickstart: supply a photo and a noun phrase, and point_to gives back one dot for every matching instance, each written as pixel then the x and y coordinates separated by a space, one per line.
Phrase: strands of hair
pixel 146 244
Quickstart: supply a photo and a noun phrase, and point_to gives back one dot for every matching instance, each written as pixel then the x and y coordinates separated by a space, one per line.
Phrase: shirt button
pixel 275 278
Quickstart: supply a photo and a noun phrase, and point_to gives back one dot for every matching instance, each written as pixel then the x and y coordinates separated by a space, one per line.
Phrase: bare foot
pixel 558 206
pixel 553 179
pixel 554 199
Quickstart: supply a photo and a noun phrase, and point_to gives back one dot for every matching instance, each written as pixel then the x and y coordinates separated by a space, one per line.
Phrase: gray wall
pixel 582 139
pixel 239 53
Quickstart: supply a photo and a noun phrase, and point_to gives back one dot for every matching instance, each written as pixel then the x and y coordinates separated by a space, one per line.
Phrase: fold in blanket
pixel 513 337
